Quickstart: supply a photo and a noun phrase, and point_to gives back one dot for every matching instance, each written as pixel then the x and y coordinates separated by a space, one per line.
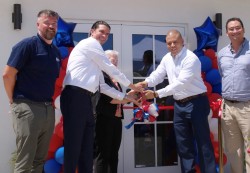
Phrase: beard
pixel 49 34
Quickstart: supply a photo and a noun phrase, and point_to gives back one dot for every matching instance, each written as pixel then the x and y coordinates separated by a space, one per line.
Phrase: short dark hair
pixel 100 22
pixel 48 13
pixel 148 56
pixel 234 19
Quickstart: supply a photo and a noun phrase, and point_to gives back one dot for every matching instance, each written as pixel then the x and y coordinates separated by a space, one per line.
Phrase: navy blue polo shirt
pixel 38 65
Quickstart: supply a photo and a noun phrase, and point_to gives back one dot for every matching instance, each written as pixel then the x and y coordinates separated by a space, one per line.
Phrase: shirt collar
pixel 179 54
pixel 242 45
pixel 46 44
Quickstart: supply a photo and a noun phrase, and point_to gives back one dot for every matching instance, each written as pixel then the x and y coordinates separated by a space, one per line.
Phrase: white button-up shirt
pixel 184 75
pixel 85 65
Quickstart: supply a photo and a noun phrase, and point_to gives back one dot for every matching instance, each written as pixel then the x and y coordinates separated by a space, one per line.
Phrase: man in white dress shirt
pixel 83 76
pixel 191 106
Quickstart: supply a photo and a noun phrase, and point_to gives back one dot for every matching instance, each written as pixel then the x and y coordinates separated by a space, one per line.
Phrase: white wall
pixel 192 12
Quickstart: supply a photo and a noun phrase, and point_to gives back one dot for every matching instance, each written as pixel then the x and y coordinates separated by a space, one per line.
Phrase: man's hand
pixel 136 95
pixel 130 98
pixel 142 84
pixel 9 80
pixel 149 94
pixel 137 88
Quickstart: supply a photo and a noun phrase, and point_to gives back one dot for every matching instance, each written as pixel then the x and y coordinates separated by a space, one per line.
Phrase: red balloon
pixel 64 63
pixel 60 79
pixel 151 118
pixel 50 155
pixel 217 153
pixel 214 97
pixel 59 130
pixel 203 76
pixel 57 92
pixel 216 146
pixel 197 168
pixel 209 88
pixel 215 104
pixel 215 64
pixel 210 53
pixel 211 136
pixel 62 169
pixel 70 49
pixel 61 119
pixel 55 143
pixel 215 107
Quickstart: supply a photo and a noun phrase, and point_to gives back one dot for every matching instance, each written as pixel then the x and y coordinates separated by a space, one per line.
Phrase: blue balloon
pixel 198 52
pixel 217 88
pixel 63 36
pixel 52 166
pixel 217 168
pixel 59 155
pixel 213 77
pixel 207 35
pixel 64 52
pixel 206 63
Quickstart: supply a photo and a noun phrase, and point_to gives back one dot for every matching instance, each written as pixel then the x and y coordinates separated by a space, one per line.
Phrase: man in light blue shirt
pixel 234 66
pixel 191 107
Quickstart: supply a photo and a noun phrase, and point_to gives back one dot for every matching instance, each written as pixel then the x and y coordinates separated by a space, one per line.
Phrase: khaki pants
pixel 33 124
pixel 236 130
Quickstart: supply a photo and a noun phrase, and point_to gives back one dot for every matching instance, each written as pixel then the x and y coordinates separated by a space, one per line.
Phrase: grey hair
pixel 112 52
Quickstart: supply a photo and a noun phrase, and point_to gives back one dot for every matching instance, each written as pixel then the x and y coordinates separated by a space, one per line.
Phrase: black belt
pixel 190 98
pixel 232 101
pixel 33 102
pixel 84 91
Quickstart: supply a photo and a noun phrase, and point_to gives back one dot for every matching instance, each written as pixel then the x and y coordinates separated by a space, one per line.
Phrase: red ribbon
pixel 160 107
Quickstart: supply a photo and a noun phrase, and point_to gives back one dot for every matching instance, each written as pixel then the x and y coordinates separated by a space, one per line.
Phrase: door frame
pixel 127 68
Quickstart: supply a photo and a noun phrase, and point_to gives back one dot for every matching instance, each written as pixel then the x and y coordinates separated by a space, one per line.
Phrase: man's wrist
pixel 155 94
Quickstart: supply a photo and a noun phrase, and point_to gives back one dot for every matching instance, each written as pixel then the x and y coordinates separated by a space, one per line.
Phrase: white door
pixel 148 146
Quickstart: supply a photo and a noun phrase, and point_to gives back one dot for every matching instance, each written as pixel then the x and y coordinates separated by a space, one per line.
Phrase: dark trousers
pixel 108 140
pixel 78 124
pixel 191 125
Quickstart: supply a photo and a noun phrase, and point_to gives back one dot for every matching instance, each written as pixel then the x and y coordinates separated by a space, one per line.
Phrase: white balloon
pixel 57 102
pixel 213 125
pixel 153 110
pixel 58 115
pixel 210 115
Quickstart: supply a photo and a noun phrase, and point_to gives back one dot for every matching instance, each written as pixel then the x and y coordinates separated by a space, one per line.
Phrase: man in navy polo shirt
pixel 29 78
